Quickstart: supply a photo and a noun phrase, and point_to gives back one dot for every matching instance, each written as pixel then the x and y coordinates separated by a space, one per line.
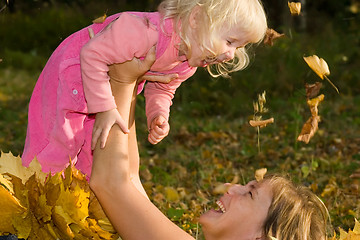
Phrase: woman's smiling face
pixel 243 210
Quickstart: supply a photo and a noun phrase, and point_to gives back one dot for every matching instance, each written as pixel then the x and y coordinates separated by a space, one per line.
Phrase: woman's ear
pixel 194 17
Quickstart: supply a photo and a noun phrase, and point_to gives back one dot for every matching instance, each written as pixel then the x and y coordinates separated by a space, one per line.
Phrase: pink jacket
pixel 111 46
pixel 60 120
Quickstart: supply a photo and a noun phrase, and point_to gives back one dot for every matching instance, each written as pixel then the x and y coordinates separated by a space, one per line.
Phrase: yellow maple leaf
pixel 10 207
pixel 295 8
pixel 13 165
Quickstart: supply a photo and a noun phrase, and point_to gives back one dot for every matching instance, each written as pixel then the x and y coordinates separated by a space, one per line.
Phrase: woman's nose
pixel 237 189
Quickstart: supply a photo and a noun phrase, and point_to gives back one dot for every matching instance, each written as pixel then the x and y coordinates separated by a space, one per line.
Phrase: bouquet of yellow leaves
pixel 36 205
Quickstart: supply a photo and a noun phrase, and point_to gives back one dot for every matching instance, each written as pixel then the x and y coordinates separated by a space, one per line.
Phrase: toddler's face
pixel 226 43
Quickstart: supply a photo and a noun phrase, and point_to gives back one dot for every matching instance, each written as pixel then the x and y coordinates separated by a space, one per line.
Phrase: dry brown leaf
pixel 260 173
pixel 314 103
pixel 271 35
pixel 312 124
pixel 309 129
pixel 100 19
pixel 295 8
pixel 261 123
pixel 312 90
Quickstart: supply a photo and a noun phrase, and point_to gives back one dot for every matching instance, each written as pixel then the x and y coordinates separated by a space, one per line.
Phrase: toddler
pixel 73 89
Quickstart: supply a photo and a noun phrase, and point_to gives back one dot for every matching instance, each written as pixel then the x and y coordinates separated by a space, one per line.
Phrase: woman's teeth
pixel 221 206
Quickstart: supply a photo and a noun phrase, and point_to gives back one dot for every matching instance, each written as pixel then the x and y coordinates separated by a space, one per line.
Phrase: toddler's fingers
pixel 160 78
pixel 103 137
pixel 153 140
pixel 122 125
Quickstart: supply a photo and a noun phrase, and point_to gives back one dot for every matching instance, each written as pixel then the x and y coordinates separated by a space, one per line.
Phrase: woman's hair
pixel 247 16
pixel 296 213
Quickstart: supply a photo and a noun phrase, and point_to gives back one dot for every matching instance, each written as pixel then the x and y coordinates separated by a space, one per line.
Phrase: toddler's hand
pixel 103 123
pixel 159 129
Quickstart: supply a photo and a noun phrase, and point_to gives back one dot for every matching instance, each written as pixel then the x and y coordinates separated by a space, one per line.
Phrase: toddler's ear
pixel 195 16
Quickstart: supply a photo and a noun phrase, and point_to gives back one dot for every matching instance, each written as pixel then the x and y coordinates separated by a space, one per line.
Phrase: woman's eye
pixel 228 42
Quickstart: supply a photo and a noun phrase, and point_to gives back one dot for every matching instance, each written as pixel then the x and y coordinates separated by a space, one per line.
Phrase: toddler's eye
pixel 251 195
pixel 228 42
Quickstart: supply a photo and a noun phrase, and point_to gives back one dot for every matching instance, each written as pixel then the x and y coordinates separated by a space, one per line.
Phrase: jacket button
pixel 75 92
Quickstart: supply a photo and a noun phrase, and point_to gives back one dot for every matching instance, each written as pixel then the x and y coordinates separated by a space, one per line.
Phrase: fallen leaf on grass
pixel 271 35
pixel 295 8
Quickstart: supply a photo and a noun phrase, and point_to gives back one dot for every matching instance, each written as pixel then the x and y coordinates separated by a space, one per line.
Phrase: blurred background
pixel 209 117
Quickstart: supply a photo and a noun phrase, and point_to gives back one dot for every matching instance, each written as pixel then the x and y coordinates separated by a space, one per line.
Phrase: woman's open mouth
pixel 221 206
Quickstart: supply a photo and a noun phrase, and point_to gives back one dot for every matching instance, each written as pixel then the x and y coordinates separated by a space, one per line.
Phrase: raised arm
pixel 130 212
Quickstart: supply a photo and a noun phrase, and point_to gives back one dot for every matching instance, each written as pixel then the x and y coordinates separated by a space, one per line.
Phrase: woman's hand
pixel 138 69
pixel 129 72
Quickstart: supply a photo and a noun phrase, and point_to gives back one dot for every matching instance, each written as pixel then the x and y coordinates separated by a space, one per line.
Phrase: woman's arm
pixel 131 213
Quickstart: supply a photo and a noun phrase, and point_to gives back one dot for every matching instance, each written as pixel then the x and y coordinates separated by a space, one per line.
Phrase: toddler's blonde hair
pixel 296 213
pixel 247 16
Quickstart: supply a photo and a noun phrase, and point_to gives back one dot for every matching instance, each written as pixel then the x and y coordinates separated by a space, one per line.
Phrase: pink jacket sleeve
pixel 158 96
pixel 127 37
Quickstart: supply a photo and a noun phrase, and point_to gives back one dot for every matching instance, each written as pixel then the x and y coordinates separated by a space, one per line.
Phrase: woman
pixel 273 207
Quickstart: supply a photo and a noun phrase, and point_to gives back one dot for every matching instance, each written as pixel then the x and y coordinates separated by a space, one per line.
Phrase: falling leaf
pixel 312 90
pixel 312 124
pixel 223 188
pixel 271 35
pixel 100 19
pixel 261 123
pixel 320 67
pixel 295 8
pixel 260 173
